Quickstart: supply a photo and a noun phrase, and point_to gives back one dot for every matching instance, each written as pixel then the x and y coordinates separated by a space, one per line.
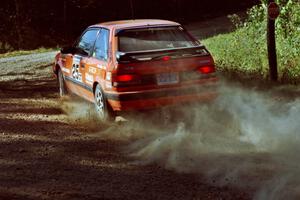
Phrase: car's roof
pixel 124 24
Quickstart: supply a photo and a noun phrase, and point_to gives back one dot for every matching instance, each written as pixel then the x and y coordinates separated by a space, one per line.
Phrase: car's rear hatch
pixel 153 66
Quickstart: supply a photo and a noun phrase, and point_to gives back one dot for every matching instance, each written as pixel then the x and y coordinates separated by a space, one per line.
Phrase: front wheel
pixel 104 111
pixel 62 87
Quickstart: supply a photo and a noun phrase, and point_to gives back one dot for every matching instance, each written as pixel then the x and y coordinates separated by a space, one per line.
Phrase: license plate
pixel 167 78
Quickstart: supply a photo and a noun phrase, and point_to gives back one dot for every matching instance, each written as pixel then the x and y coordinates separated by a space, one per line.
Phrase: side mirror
pixel 73 50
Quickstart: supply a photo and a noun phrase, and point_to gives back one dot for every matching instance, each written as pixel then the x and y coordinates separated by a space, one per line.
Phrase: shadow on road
pixel 34 88
pixel 44 155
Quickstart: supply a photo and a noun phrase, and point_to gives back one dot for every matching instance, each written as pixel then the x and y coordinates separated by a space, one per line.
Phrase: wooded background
pixel 28 24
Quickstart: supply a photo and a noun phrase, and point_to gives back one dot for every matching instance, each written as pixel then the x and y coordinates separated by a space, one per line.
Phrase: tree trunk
pixel 132 9
pixel 18 24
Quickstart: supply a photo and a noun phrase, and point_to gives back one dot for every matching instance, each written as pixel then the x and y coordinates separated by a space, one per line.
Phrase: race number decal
pixel 75 69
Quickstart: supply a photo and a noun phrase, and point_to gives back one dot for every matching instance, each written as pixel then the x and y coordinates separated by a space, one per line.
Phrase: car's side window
pixel 87 41
pixel 102 45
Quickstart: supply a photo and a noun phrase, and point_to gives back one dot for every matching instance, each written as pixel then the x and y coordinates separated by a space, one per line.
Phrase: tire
pixel 103 110
pixel 61 83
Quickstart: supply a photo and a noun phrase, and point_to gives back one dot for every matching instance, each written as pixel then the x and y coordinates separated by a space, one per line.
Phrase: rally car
pixel 136 65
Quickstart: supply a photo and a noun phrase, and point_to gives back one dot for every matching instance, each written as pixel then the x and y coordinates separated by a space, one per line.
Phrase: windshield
pixel 161 38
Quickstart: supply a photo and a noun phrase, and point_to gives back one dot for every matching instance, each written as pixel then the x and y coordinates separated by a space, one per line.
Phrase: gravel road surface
pixel 51 148
pixel 245 146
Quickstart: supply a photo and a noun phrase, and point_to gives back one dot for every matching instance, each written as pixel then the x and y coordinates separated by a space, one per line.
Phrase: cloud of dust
pixel 245 138
pixel 82 113
pixel 78 110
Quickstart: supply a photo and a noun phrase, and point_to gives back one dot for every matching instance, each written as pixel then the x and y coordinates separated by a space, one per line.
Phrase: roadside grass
pixel 27 52
pixel 243 52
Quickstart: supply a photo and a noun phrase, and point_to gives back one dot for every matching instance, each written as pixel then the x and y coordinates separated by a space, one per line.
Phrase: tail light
pixel 166 58
pixel 207 69
pixel 123 80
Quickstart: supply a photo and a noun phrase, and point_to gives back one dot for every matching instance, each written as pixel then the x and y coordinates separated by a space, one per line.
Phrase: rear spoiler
pixel 140 56
pixel 120 31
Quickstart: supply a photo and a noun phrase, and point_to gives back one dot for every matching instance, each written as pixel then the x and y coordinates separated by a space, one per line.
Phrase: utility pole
pixel 273 13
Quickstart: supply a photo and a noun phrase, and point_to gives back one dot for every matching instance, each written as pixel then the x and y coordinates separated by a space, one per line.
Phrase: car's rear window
pixel 158 38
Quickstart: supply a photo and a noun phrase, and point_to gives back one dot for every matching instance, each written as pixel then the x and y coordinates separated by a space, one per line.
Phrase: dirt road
pixel 52 149
pixel 245 145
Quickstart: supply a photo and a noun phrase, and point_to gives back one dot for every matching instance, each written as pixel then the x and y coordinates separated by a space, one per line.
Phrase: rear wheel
pixel 104 111
pixel 62 87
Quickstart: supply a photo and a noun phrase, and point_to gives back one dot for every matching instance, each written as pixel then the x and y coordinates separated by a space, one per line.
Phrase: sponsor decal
pixel 75 69
pixel 92 70
pixel 108 76
pixel 89 78
pixel 101 66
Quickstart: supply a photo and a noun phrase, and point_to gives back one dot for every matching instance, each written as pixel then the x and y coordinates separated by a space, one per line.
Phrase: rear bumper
pixel 143 100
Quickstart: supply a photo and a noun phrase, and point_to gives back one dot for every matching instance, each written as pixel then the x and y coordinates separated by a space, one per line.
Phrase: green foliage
pixel 245 50
pixel 5 47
